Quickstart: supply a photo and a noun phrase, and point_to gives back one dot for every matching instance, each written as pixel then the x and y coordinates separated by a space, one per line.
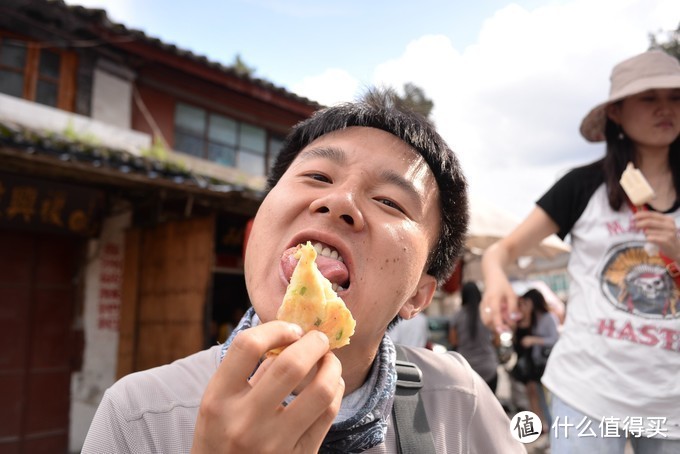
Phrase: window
pixel 254 149
pixel 12 64
pixel 275 145
pixel 36 73
pixel 224 140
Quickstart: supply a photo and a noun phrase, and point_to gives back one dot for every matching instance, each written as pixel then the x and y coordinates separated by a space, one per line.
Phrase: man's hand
pixel 242 415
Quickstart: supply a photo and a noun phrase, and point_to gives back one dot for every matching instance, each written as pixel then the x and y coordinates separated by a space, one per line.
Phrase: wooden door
pixel 38 292
pixel 165 292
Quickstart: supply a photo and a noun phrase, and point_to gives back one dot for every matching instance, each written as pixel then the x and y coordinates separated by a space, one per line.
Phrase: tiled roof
pixel 32 148
pixel 100 17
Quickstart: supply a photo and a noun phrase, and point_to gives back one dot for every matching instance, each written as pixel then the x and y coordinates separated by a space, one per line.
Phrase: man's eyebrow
pixel 338 156
pixel 409 188
pixel 334 154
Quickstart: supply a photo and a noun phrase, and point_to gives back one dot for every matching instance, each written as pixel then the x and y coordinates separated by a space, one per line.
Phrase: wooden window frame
pixel 239 147
pixel 68 64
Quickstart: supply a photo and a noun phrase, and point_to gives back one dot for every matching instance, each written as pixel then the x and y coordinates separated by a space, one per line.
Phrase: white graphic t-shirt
pixel 618 357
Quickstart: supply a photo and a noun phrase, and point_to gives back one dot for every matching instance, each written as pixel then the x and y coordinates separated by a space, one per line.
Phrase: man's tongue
pixel 333 270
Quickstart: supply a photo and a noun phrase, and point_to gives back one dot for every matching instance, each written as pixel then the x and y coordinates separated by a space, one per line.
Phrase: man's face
pixel 372 201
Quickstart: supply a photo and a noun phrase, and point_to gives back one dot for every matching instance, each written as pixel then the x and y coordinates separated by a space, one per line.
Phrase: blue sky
pixel 284 39
pixel 510 81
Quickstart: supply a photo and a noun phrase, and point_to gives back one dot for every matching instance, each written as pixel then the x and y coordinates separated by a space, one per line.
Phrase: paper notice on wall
pixel 109 281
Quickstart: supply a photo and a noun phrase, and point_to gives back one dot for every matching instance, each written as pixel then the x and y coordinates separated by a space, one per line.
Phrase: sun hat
pixel 648 70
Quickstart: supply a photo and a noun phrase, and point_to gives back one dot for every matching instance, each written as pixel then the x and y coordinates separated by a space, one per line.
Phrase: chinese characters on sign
pixel 110 278
pixel 526 427
pixel 609 426
pixel 38 204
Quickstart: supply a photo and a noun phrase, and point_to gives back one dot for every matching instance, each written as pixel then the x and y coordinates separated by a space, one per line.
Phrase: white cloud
pixel 332 86
pixel 510 104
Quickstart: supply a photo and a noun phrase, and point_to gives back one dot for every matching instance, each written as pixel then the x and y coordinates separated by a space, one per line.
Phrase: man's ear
pixel 421 298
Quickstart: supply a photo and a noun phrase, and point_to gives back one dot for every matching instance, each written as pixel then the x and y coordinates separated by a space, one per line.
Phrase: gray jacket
pixel 154 411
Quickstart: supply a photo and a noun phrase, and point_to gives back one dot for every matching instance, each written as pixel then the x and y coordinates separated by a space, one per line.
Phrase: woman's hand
pixel 498 308
pixel 660 230
pixel 530 341
pixel 499 303
pixel 243 414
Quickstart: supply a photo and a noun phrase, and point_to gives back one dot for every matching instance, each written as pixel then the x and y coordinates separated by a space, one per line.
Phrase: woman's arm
pixel 499 303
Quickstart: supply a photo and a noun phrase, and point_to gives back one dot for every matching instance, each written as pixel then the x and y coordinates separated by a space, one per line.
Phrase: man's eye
pixel 391 204
pixel 319 177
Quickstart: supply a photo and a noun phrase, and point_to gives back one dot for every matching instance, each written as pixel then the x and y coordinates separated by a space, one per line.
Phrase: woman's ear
pixel 421 298
pixel 613 112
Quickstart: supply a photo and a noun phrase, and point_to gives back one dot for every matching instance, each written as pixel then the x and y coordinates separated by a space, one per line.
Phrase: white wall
pixel 112 94
pixel 50 119
pixel 103 276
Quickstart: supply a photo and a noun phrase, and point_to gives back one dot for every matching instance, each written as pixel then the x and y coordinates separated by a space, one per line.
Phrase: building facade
pixel 128 171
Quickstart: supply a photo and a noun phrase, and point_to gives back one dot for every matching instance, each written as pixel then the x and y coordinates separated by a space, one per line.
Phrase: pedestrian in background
pixel 469 337
pixel 535 335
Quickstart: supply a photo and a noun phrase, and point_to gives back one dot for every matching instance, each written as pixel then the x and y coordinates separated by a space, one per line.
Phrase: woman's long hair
pixel 539 305
pixel 471 296
pixel 621 151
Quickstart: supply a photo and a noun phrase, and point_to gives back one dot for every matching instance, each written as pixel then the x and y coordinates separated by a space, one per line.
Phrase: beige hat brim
pixel 592 126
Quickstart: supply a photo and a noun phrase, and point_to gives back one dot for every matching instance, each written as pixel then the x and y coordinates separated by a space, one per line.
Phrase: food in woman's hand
pixel 636 186
pixel 311 302
pixel 639 191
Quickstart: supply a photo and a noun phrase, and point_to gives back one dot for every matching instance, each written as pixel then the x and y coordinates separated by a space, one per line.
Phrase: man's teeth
pixel 325 251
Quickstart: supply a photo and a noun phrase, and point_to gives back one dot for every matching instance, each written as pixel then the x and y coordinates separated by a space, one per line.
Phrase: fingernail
pixel 515 316
pixel 322 335
pixel 297 329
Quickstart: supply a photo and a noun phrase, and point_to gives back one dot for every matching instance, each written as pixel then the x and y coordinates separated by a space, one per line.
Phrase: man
pixel 379 188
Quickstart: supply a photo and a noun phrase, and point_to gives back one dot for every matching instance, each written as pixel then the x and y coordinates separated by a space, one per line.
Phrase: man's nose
pixel 340 204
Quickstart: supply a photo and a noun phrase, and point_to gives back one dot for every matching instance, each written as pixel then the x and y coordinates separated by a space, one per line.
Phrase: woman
pixel 469 336
pixel 615 365
pixel 536 333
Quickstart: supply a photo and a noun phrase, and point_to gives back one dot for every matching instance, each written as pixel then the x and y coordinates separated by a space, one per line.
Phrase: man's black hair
pixel 382 109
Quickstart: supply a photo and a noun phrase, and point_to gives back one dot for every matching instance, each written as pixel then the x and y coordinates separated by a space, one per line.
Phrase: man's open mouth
pixel 329 262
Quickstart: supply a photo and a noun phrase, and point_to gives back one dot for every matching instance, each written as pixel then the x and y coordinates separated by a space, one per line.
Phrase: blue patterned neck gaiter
pixel 366 428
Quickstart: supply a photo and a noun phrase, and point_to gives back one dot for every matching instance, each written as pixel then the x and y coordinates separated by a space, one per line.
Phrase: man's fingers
pixel 248 347
pixel 289 369
pixel 321 391
pixel 261 370
pixel 319 403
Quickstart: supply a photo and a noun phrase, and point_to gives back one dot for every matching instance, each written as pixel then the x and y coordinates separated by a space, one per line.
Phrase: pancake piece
pixel 311 302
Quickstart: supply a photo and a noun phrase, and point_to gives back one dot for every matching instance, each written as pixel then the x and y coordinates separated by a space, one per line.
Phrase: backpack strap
pixel 408 412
